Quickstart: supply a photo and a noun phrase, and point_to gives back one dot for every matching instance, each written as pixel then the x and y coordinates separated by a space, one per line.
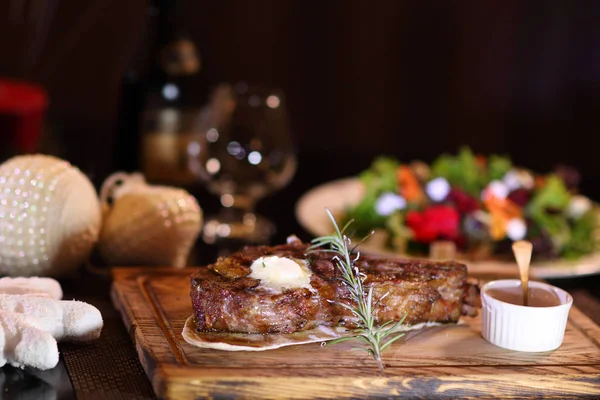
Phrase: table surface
pixel 108 368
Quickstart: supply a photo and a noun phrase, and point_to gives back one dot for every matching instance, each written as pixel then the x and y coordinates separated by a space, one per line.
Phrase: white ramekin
pixel 520 328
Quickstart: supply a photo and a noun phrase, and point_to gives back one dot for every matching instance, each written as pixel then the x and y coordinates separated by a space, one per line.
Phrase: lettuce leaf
pixel 379 178
pixel 553 196
pixel 461 170
pixel 582 240
pixel 546 209
pixel 498 166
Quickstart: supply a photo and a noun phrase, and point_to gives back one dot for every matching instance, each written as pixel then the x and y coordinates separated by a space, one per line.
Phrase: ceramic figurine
pixel 49 216
pixel 145 224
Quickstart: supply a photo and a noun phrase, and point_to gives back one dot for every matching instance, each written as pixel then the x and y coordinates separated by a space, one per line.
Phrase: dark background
pixel 362 78
pixel 407 78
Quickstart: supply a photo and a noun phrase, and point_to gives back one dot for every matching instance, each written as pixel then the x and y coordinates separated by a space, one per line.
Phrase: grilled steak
pixel 226 299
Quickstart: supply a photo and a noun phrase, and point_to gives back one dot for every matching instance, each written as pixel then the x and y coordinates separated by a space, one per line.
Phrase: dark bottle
pixel 158 105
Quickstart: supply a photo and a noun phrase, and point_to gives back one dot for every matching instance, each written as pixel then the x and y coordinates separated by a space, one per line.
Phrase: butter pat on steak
pixel 227 296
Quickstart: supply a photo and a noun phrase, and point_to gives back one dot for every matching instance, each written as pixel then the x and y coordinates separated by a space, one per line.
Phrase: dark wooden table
pixel 108 368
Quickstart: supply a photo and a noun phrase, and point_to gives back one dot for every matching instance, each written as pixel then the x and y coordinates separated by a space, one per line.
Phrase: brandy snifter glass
pixel 242 151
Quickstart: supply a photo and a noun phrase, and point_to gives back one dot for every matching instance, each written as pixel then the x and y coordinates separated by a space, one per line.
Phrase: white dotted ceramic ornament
pixel 146 224
pixel 49 216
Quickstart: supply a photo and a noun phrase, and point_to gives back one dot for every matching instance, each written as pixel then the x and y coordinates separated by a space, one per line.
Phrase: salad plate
pixel 341 195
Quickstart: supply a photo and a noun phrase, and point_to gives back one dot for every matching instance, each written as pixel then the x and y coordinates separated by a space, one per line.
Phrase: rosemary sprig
pixel 375 337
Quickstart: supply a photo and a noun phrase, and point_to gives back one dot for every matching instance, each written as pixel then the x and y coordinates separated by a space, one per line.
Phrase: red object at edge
pixel 22 109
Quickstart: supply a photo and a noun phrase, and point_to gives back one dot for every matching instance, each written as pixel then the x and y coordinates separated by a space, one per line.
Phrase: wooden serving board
pixel 440 362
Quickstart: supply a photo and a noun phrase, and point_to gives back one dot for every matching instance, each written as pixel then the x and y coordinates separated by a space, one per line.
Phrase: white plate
pixel 340 194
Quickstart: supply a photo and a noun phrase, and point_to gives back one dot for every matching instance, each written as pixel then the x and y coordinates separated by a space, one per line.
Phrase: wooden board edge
pixel 155 374
pixel 160 318
pixel 424 383
pixel 130 273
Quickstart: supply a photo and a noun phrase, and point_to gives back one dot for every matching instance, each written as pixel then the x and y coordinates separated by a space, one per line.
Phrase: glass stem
pixel 244 204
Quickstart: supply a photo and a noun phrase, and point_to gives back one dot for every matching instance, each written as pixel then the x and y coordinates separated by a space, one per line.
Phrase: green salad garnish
pixel 481 203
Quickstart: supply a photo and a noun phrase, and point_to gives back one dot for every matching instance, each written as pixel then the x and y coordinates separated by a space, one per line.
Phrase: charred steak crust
pixel 225 299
